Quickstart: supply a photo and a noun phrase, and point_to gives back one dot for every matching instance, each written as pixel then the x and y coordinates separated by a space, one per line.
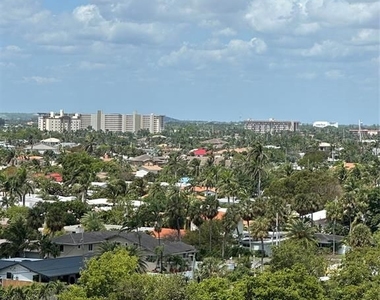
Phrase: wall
pixel 19 273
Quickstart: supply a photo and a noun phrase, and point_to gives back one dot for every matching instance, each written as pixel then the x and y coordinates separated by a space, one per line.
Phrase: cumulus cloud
pixel 307 75
pixel 41 80
pixel 88 65
pixel 326 48
pixel 225 32
pixel 367 36
pixel 231 52
pixel 334 74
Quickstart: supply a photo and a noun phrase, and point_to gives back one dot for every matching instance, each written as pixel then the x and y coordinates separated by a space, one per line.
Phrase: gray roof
pixel 328 238
pixel 141 158
pixel 6 263
pixel 56 266
pixel 40 146
pixel 52 267
pixel 148 242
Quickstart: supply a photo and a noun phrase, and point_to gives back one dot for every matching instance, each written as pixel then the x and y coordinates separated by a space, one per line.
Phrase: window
pixel 61 248
pixel 9 275
pixel 90 248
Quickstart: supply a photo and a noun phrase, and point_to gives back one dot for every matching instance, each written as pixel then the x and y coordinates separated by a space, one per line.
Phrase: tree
pixel 360 236
pixel 210 211
pixel 294 284
pixel 102 275
pixel 47 247
pixel 19 237
pixel 259 230
pixel 290 253
pixel 334 213
pixel 230 223
pixel 176 210
pixel 55 217
pixel 91 221
pixel 302 231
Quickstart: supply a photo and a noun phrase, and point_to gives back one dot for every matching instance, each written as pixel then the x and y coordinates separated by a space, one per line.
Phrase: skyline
pixel 210 60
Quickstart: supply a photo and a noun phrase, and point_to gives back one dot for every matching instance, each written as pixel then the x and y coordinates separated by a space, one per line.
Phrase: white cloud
pixel 41 80
pixel 87 65
pixel 269 16
pixel 343 13
pixel 232 52
pixel 334 74
pixel 226 32
pixel 327 48
pixel 307 75
pixel 366 36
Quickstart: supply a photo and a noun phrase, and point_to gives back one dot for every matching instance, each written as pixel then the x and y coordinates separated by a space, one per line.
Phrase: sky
pixel 211 60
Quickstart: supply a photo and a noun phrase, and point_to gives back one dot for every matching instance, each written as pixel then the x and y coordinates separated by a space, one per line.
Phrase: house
pixel 199 152
pixel 151 168
pixel 323 241
pixel 141 160
pixel 216 143
pixel 65 269
pixel 41 148
pixel 324 146
pixel 74 244
pixel 50 141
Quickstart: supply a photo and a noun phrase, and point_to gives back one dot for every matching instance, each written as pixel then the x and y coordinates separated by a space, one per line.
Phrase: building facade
pixel 271 126
pixel 99 121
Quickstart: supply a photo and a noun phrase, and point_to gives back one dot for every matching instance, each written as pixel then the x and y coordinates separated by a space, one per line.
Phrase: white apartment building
pixel 100 121
pixel 271 126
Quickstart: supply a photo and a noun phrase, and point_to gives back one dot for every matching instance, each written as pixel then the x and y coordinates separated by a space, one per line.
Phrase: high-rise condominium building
pixel 100 121
pixel 271 126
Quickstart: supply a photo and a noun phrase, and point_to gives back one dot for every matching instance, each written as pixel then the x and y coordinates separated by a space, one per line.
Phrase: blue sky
pixel 224 60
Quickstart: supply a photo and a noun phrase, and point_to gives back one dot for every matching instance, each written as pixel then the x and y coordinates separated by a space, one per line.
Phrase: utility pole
pixel 277 241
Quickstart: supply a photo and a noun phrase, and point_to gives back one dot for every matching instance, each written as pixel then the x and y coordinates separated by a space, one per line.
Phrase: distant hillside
pixel 18 116
pixel 168 120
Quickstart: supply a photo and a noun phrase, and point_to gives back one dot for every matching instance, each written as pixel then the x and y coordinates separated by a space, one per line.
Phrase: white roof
pixel 141 173
pixel 101 184
pixel 323 144
pixel 318 215
pixel 51 140
pixel 65 199
pixel 99 201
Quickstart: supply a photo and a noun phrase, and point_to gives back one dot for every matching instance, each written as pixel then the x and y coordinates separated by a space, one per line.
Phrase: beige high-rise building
pixel 271 126
pixel 100 121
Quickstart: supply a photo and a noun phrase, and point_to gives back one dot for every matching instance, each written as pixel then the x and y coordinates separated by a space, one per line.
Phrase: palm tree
pixel 47 247
pixel 228 183
pixel 210 211
pixel 259 230
pixel 230 223
pixel 91 221
pixel 177 209
pixel 334 212
pixel 256 161
pixel 142 265
pixel 246 208
pixel 107 246
pixel 301 230
pixel 19 185
pixel 18 236
pixel 115 189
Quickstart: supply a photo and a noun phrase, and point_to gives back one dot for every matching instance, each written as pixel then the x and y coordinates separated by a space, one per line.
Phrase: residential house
pixel 65 269
pixel 151 168
pixel 216 143
pixel 41 148
pixel 141 160
pixel 87 243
